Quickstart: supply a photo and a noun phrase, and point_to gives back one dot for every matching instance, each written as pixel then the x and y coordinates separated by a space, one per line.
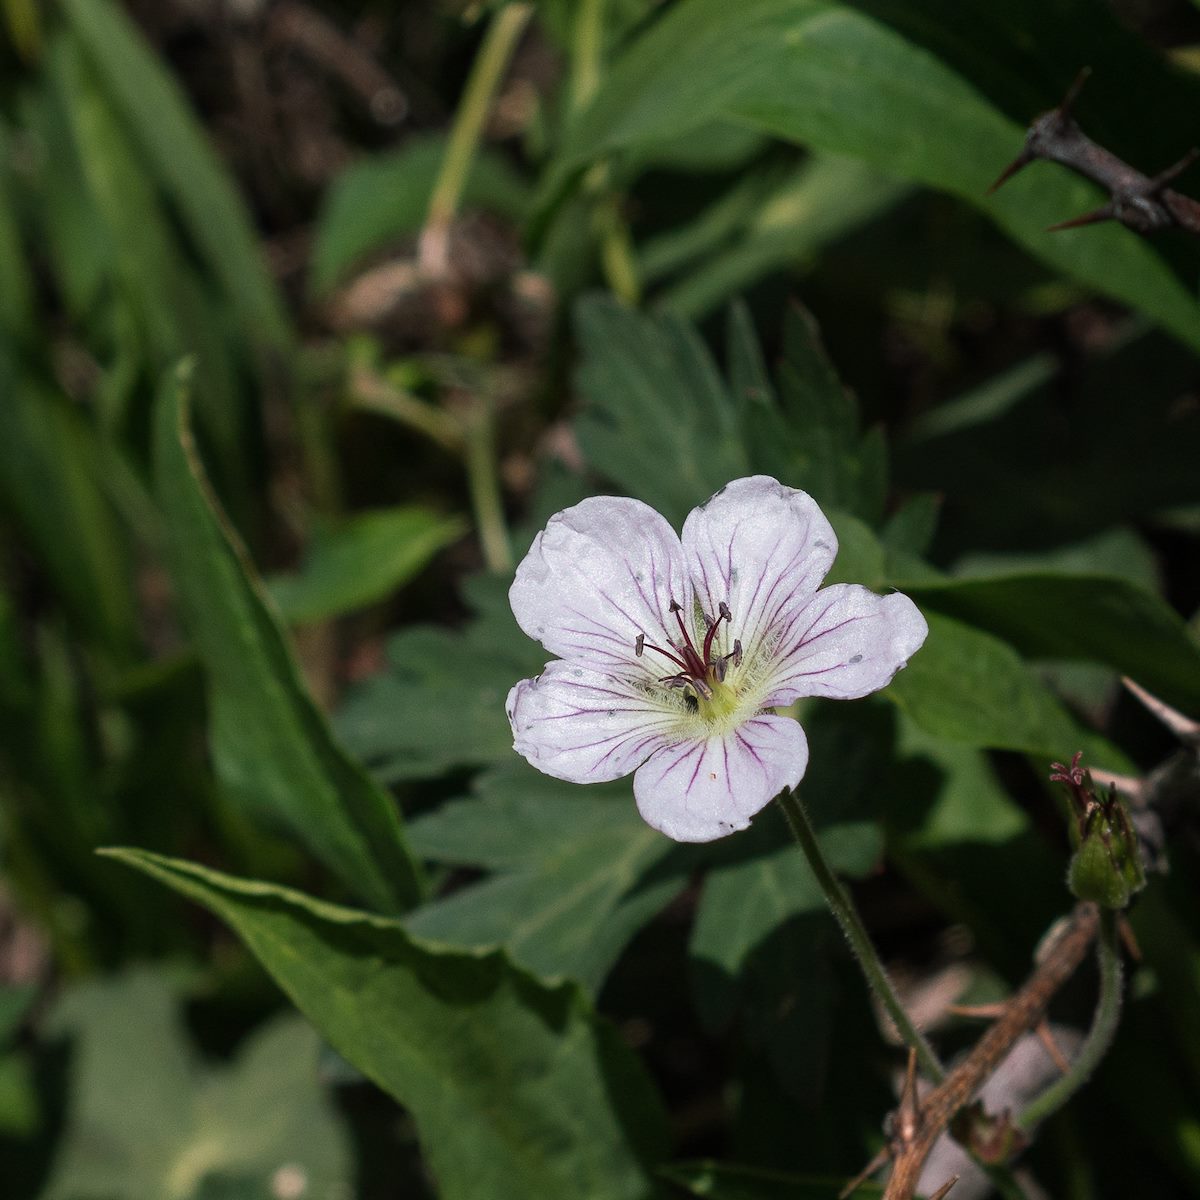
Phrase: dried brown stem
pixel 1058 961
pixel 1143 203
pixel 312 34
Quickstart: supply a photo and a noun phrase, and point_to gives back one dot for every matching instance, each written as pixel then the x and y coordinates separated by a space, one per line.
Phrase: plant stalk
pixel 1100 1036
pixel 484 483
pixel 842 907
pixel 486 74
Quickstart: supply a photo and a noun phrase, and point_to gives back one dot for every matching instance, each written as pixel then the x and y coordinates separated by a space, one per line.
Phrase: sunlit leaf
pixel 517 1089
pixel 147 1121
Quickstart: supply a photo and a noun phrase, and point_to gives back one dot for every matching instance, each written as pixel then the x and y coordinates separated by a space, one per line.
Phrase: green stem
pixel 375 394
pixel 488 70
pixel 587 51
pixel 618 259
pixel 1100 1036
pixel 847 916
pixel 484 484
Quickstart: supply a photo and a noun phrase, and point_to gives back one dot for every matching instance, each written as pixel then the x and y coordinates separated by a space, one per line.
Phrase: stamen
pixel 640 644
pixel 696 665
pixel 723 614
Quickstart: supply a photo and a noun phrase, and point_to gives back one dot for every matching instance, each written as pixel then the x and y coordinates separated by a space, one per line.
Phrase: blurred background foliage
pixel 310 314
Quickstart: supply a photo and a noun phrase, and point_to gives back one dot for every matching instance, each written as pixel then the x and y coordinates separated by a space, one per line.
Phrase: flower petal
pixel 586 726
pixel 846 642
pixel 696 790
pixel 598 575
pixel 761 548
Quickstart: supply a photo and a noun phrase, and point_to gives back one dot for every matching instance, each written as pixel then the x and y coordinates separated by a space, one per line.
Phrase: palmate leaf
pixel 272 748
pixel 146 1121
pixel 516 1087
pixel 830 77
pixel 654 395
pixel 440 702
pixel 575 871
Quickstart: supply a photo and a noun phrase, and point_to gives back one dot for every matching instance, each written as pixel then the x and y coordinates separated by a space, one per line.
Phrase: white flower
pixel 673 655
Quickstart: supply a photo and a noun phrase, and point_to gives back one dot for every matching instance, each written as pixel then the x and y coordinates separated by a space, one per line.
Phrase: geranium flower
pixel 673 654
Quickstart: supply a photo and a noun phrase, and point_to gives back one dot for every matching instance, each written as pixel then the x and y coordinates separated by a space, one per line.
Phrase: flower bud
pixel 1107 864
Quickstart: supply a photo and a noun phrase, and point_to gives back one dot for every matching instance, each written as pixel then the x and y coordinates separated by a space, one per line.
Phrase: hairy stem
pixel 1100 1036
pixel 842 907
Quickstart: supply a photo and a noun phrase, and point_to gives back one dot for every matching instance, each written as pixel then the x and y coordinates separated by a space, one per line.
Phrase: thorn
pixel 864 1174
pixel 1068 101
pixel 1046 1037
pixel 1160 181
pixel 1184 728
pixel 943 1191
pixel 908 1112
pixel 1129 939
pixel 1019 163
pixel 1104 213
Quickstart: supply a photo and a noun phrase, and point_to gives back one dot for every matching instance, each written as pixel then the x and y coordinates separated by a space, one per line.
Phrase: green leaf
pixel 50 480
pixel 728 1181
pixel 513 1085
pixel 169 313
pixel 763 939
pixel 964 842
pixel 440 701
pixel 16 284
pixel 654 396
pixel 1097 618
pixel 272 749
pixel 384 198
pixel 176 151
pixel 577 872
pixel 147 1122
pixel 836 80
pixel 361 561
pixel 968 686
pixel 766 223
pixel 1086 462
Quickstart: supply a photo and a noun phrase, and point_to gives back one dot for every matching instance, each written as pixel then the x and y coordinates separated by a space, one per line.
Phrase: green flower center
pixel 701 672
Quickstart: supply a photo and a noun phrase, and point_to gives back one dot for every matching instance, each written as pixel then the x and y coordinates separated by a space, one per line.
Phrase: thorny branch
pixel 1141 202
pixel 924 1122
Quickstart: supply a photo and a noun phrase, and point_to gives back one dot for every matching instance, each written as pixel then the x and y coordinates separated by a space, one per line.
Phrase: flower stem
pixel 1100 1036
pixel 842 907
pixel 498 45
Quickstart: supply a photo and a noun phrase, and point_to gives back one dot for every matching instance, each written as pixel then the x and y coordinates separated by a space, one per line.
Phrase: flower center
pixel 699 671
